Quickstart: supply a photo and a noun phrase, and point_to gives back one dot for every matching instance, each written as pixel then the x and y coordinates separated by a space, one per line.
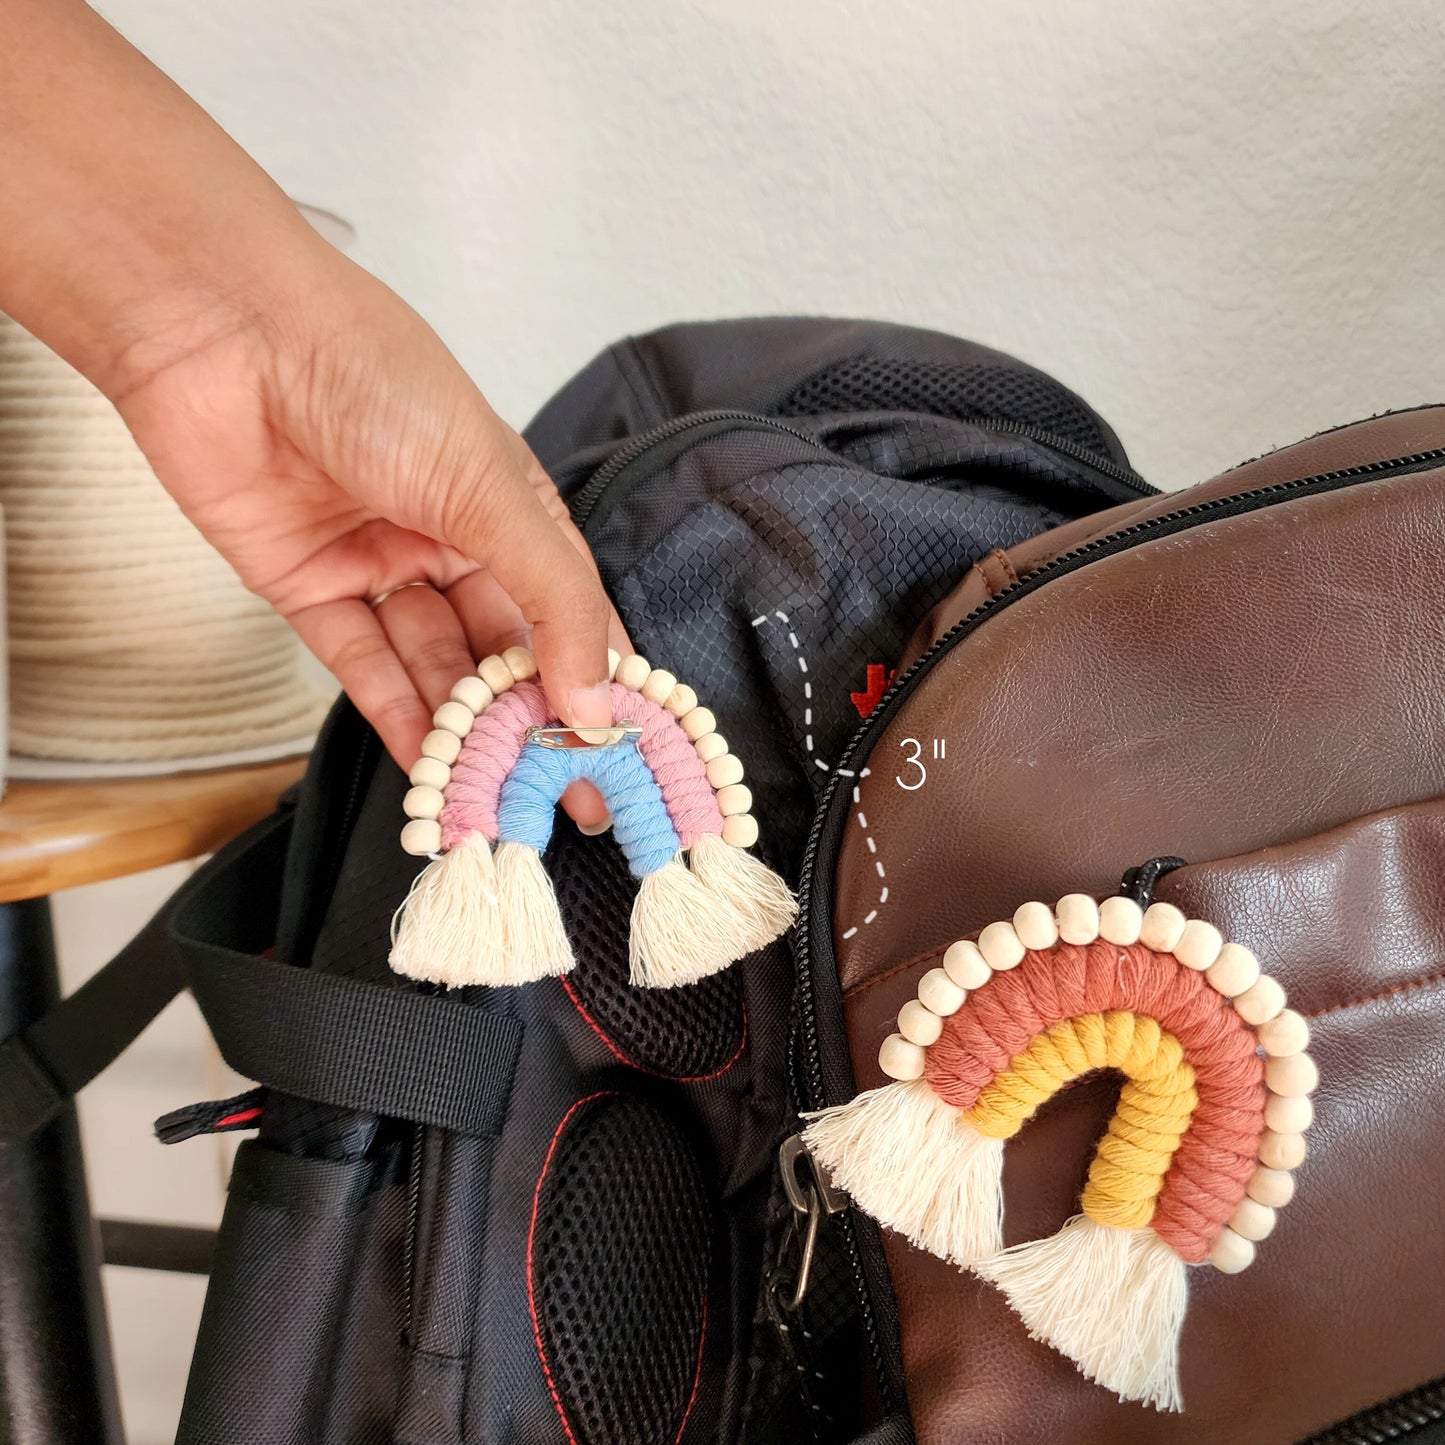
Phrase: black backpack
pixel 556 1212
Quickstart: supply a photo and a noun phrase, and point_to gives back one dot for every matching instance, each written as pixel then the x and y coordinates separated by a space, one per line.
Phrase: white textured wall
pixel 1224 223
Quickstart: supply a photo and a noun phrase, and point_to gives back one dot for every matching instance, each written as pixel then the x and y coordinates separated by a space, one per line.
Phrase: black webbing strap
pixel 385 1050
pixel 47 1063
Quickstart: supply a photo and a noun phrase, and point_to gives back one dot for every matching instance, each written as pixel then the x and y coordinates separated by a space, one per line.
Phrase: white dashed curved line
pixel 820 764
pixel 878 868
pixel 807 684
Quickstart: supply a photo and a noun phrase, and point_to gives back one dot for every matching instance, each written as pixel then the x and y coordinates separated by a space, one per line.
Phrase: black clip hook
pixel 1138 883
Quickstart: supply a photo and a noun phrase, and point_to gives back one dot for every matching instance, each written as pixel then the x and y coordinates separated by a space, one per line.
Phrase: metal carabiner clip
pixel 813 1196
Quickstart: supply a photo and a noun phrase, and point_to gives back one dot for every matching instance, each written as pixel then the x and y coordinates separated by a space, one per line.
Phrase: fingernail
pixel 593 830
pixel 591 712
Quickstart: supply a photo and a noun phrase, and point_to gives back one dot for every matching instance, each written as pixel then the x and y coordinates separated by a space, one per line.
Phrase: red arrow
pixel 879 679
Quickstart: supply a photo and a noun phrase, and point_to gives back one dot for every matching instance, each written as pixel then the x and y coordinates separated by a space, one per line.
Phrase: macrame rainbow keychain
pixel 1194 1164
pixel 482 807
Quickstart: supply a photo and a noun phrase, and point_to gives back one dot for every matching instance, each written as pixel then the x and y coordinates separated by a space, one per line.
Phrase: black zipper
pixel 410 1259
pixel 1129 485
pixel 1393 1420
pixel 814 947
pixel 585 502
pixel 1127 477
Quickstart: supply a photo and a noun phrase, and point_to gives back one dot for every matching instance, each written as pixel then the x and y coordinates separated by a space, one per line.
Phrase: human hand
pixel 307 421
pixel 335 451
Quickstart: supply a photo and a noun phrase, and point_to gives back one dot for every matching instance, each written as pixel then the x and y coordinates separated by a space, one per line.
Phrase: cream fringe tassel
pixel 536 944
pixel 917 1165
pixel 1112 1300
pixel 678 933
pixel 758 906
pixel 475 917
pixel 472 917
pixel 449 929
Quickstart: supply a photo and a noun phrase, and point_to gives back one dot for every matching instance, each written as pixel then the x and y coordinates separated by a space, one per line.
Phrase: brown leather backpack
pixel 1250 676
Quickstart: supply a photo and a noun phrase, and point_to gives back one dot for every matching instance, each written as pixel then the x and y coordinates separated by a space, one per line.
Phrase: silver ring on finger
pixel 381 597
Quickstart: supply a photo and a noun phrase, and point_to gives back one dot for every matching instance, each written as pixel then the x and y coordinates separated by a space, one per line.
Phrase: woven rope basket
pixel 131 640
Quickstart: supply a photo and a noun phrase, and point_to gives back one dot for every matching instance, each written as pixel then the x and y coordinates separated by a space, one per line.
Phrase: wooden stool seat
pixel 56 835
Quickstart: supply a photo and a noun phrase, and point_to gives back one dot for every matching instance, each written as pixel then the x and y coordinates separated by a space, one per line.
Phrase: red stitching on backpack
pixel 532 1289
pixel 531 1279
pixel 696 1376
pixel 622 1058
pixel 244 1117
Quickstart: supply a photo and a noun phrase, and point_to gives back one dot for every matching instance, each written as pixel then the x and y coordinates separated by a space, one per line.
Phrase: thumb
pixel 519 528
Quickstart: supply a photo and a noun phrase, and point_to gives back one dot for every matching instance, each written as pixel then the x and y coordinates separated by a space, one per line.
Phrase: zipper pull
pixel 814 1197
pixel 220 1116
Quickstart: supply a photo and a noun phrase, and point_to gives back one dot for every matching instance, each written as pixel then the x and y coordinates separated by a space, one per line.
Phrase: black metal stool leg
pixel 57 1384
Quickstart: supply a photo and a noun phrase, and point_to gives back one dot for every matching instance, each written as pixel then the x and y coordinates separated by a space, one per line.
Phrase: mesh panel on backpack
pixel 620 1329
pixel 680 1032
pixel 869 383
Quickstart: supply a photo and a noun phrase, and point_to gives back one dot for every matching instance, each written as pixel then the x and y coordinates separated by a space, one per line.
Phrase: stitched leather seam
pixel 1406 987
pixel 1005 562
pixel 859 988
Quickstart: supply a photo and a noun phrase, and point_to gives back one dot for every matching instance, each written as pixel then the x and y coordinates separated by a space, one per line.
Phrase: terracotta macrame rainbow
pixel 1194 1163
pixel 483 804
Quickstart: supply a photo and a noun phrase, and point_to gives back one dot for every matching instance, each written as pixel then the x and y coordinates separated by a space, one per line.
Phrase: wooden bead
pixel 454 717
pixel 613 658
pixel 965 965
pixel 1282 1151
pixel 1235 970
pixel 741 830
pixel 1231 1252
pixel 919 1024
pixel 1274 1187
pixel 422 836
pixel 473 693
pixel 939 994
pixel 445 747
pixel 1078 918
pixel 1289 1113
pixel 1260 1002
pixel 1198 945
pixel 1252 1220
pixel 1286 1033
pixel 1000 946
pixel 633 671
pixel 900 1059
pixel 520 663
pixel 430 773
pixel 1120 920
pixel 496 674
pixel 736 798
pixel 1162 927
pixel 423 802
pixel 681 700
pixel 659 685
pixel 699 721
pixel 710 746
pixel 1035 926
pixel 725 770
pixel 1291 1075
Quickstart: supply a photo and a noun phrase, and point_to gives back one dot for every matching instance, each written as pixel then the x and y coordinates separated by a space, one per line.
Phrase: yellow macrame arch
pixel 1153 1113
